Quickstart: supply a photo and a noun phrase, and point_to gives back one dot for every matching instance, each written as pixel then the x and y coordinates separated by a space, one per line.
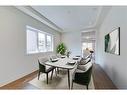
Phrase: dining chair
pixel 83 76
pixel 88 56
pixel 54 57
pixel 43 68
pixel 84 61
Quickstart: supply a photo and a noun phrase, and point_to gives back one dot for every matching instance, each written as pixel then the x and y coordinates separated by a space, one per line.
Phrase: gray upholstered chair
pixel 88 56
pixel 43 68
pixel 83 75
pixel 84 61
pixel 54 58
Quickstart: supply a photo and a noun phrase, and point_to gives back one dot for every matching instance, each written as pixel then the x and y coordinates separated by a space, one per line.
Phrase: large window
pixel 38 41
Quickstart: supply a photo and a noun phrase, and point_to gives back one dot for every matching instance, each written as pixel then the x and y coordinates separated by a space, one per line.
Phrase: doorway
pixel 88 43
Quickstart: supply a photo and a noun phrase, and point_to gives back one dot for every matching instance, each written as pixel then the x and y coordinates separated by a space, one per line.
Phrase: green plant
pixel 61 49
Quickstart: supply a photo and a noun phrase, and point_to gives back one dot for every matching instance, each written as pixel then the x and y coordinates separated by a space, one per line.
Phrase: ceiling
pixel 71 18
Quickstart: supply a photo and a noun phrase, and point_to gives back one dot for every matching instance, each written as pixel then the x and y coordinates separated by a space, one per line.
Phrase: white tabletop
pixel 63 63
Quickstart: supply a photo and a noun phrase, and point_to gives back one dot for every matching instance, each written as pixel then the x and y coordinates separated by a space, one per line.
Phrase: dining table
pixel 69 63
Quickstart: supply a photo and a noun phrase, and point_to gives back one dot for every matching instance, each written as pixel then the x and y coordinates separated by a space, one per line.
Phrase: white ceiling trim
pixel 98 15
pixel 41 19
pixel 89 30
pixel 92 27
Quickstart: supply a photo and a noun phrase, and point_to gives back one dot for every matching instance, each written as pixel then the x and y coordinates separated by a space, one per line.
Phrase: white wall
pixel 115 66
pixel 72 40
pixel 14 62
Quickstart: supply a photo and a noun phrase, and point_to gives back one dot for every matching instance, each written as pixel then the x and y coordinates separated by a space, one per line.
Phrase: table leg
pixel 68 78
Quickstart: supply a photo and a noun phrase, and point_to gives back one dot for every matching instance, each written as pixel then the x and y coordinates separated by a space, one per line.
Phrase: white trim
pixel 98 15
pixel 33 13
pixel 41 19
pixel 89 30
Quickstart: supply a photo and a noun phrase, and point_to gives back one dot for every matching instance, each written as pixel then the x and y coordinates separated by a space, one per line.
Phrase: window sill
pixel 34 53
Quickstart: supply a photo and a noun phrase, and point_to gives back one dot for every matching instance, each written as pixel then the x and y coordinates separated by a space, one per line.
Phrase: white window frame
pixel 52 42
pixel 45 33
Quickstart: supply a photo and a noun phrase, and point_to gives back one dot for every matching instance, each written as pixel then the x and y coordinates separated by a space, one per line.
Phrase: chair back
pixel 85 76
pixel 88 56
pixel 88 74
pixel 88 60
pixel 41 61
pixel 84 61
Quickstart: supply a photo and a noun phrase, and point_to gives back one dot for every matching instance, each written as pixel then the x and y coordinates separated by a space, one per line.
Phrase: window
pixel 31 41
pixel 41 42
pixel 87 46
pixel 49 42
pixel 38 41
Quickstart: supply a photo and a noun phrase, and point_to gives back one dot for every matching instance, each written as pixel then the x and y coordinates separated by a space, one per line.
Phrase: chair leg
pixel 87 87
pixel 58 70
pixel 72 85
pixel 55 72
pixel 47 77
pixel 38 74
pixel 52 74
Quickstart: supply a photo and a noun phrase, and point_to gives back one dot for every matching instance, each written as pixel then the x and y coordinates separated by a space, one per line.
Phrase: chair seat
pixel 85 61
pixel 50 69
pixel 84 68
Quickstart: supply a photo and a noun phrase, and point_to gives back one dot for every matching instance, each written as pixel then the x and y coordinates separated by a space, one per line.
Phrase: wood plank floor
pixel 22 83
pixel 101 80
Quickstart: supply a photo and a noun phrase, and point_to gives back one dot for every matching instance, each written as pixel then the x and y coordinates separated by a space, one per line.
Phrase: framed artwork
pixel 112 42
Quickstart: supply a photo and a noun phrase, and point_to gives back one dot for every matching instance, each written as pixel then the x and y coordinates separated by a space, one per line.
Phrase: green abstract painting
pixel 112 42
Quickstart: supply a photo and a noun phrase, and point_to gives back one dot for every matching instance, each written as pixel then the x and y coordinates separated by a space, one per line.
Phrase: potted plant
pixel 61 49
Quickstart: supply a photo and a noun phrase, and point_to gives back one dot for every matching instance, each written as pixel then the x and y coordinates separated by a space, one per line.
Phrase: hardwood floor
pixel 101 80
pixel 22 83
